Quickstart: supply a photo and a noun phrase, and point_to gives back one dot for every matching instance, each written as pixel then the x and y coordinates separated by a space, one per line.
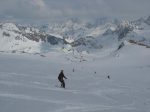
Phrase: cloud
pixel 47 10
pixel 39 5
pixel 23 9
pixel 129 8
pixel 77 8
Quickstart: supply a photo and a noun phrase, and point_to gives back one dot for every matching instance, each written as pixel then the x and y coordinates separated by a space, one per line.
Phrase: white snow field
pixel 28 83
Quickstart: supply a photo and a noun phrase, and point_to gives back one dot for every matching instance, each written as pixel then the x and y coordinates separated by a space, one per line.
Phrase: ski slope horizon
pixel 28 82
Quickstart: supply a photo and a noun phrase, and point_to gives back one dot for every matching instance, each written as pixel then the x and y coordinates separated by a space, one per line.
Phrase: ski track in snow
pixel 30 85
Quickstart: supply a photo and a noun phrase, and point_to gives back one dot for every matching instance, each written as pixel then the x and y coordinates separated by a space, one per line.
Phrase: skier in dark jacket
pixel 60 78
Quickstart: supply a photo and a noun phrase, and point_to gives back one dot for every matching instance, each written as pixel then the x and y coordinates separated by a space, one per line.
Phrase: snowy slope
pixel 18 38
pixel 11 39
pixel 31 87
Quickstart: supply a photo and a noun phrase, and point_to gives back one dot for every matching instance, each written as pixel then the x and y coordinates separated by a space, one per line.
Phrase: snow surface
pixel 28 83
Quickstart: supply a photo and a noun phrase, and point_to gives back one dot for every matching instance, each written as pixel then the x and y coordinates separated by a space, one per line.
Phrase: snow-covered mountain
pixel 25 39
pixel 74 35
pixel 102 33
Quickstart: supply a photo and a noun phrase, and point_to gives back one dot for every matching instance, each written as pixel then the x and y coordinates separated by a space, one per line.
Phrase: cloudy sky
pixel 50 10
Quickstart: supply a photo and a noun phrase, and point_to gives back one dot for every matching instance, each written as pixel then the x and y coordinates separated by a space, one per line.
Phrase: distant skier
pixel 73 70
pixel 60 78
pixel 108 77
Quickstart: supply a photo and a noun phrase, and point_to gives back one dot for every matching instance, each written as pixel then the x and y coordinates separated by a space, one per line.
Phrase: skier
pixel 60 78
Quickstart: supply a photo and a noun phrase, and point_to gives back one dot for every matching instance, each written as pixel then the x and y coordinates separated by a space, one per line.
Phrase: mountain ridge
pixel 74 35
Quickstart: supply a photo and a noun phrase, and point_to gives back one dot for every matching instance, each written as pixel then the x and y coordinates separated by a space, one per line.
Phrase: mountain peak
pixel 10 26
